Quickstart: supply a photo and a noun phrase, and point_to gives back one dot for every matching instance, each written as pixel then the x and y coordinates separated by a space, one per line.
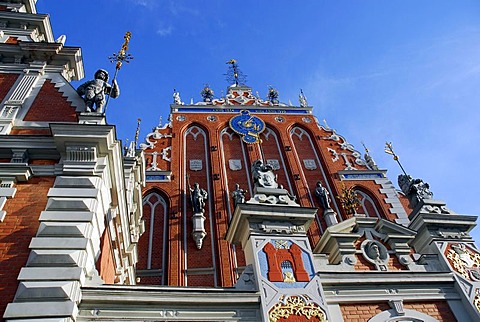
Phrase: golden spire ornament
pixel 349 200
pixel 120 57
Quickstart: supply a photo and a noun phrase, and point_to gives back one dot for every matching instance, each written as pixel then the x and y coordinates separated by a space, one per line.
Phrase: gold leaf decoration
pixel 296 305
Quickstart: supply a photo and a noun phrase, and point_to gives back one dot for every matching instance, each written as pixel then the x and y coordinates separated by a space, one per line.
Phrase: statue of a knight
pixel 94 91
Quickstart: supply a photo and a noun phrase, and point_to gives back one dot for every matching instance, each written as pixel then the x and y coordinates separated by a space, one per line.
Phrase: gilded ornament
pixel 295 305
pixel 349 200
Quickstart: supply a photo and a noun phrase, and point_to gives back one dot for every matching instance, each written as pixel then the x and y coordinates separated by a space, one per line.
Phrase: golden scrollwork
pixel 463 259
pixel 476 299
pixel 296 305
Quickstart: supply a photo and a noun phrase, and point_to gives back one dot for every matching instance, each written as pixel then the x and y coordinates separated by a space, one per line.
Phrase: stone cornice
pixel 20 171
pixel 42 21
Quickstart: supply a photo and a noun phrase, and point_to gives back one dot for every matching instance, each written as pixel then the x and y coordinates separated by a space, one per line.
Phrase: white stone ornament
pixel 310 164
pixel 196 165
pixel 235 164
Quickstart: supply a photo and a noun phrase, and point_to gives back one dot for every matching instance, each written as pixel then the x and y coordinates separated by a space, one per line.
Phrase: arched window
pixel 367 204
pixel 152 245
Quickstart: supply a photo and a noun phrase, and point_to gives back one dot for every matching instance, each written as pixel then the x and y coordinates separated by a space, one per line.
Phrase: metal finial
pixel 122 55
pixel 389 150
pixel 234 74
pixel 366 150
pixel 137 132
pixel 119 58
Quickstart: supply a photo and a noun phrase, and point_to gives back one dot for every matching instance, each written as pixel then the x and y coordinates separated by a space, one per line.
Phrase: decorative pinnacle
pixel 122 55
pixel 137 132
pixel 366 150
pixel 389 150
pixel 234 74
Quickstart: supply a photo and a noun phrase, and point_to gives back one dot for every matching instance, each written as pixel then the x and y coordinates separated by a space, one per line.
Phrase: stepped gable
pixel 6 83
pixel 50 105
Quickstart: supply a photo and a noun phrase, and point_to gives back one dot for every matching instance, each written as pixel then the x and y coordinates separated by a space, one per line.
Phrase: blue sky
pixel 402 71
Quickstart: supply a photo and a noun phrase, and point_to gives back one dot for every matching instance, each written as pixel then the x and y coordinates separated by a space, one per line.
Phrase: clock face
pixel 248 126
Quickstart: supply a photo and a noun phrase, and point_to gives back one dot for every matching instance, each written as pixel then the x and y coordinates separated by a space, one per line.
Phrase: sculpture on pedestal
pixel 414 189
pixel 94 91
pixel 238 195
pixel 323 195
pixel 263 175
pixel 198 197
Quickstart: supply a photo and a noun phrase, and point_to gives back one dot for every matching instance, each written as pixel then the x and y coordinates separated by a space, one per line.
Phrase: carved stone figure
pixel 415 189
pixel 302 99
pixel 370 162
pixel 198 197
pixel 94 91
pixel 176 98
pixel 238 195
pixel 376 253
pixel 323 195
pixel 263 175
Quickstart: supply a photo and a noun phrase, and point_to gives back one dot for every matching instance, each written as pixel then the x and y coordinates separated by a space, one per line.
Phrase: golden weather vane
pixel 234 74
pixel 389 150
pixel 121 57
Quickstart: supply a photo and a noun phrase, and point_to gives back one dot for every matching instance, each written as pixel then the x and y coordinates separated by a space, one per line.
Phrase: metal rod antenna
pixel 389 150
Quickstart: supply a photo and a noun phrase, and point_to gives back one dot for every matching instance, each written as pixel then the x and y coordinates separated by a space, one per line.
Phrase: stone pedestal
pixel 330 217
pixel 274 240
pixel 199 232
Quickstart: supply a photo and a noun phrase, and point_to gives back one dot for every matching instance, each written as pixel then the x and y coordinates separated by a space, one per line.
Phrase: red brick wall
pixel 363 312
pixel 31 131
pixel 105 263
pixel 6 83
pixel 12 40
pixel 50 105
pixel 437 309
pixel 17 229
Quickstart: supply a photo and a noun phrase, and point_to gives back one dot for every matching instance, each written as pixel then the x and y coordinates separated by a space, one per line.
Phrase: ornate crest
pixel 235 164
pixel 196 165
pixel 464 261
pixel 263 175
pixel 310 164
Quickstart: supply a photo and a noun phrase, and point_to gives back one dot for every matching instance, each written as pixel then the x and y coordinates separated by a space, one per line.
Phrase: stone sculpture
pixel 414 189
pixel 238 195
pixel 323 195
pixel 198 197
pixel 94 91
pixel 263 175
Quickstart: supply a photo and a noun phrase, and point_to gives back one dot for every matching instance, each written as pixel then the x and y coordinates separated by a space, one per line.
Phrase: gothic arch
pixel 196 167
pixel 153 244
pixel 368 203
